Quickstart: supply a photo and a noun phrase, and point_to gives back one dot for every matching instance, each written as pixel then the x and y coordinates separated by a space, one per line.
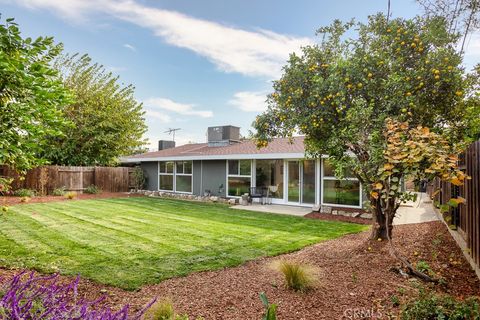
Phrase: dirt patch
pixel 332 217
pixel 355 274
pixel 11 200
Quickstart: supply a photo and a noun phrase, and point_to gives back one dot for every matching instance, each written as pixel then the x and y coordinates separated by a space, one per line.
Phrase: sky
pixel 195 64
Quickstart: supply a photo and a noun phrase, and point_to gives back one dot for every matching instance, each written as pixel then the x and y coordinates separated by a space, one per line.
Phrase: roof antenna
pixel 172 130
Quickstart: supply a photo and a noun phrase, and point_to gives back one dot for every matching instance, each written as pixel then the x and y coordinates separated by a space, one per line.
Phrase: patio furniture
pixel 258 193
pixel 271 190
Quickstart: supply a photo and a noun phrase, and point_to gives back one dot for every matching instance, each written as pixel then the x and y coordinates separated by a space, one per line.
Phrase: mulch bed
pixel 11 200
pixel 332 217
pixel 354 275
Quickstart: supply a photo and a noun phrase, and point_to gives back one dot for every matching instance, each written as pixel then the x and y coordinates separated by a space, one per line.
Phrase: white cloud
pixel 130 47
pixel 165 118
pixel 181 108
pixel 252 53
pixel 249 101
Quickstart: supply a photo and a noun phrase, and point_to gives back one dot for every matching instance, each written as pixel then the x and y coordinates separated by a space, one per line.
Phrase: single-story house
pixel 227 166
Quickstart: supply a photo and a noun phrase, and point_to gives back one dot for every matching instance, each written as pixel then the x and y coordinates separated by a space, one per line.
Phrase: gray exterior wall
pixel 213 174
pixel 151 172
pixel 197 178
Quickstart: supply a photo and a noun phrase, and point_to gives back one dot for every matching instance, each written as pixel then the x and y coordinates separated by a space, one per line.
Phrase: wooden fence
pixel 466 217
pixel 45 179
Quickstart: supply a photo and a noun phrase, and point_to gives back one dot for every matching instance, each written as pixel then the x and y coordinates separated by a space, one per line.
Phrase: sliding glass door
pixel 308 182
pixel 293 194
pixel 301 182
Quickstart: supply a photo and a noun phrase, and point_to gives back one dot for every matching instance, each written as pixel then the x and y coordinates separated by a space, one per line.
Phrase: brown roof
pixel 278 145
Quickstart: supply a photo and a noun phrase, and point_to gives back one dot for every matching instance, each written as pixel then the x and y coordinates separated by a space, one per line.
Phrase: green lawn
pixel 129 242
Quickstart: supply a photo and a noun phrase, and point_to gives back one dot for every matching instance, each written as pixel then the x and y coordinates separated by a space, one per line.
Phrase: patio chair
pixel 258 193
pixel 270 191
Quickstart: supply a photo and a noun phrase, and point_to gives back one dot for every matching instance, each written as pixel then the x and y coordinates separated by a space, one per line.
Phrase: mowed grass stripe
pixel 129 242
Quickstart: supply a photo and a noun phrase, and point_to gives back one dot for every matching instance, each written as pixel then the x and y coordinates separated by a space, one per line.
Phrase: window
pixel 340 192
pixel 269 173
pixel 165 169
pixel 239 177
pixel 183 177
pixel 175 176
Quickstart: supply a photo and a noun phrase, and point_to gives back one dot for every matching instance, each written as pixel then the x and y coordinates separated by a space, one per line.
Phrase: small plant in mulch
pixel 270 308
pixel 59 191
pixel 70 195
pixel 92 189
pixel 298 276
pixel 434 306
pixel 28 297
pixel 424 267
pixel 24 193
pixel 164 310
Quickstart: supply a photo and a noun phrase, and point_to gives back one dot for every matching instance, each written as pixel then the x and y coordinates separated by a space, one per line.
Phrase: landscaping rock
pixel 326 209
pixel 334 212
pixel 366 216
pixel 356 214
pixel 232 202
pixel 316 208
pixel 214 199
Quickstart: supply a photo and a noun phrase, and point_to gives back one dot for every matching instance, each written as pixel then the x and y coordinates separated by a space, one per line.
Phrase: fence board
pixel 73 178
pixel 468 215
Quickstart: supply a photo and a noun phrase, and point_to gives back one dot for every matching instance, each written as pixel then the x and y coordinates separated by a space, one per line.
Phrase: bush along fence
pixel 464 218
pixel 47 178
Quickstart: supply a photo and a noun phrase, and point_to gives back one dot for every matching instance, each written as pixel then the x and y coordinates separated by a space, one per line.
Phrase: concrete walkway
pixel 276 208
pixel 411 212
pixel 416 212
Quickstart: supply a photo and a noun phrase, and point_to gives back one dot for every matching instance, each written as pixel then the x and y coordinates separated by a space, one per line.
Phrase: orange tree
pixel 385 104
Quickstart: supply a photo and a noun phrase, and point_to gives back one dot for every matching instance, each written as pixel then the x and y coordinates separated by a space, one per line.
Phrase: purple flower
pixel 30 297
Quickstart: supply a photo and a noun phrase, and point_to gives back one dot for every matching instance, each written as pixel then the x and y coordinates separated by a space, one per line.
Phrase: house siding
pixel 214 175
pixel 151 172
pixel 197 178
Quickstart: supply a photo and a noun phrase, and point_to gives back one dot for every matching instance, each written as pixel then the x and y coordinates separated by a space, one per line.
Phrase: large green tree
pixel 32 97
pixel 107 120
pixel 369 100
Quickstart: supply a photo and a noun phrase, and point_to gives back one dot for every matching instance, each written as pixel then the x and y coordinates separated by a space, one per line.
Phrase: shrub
pixel 70 195
pixel 29 297
pixel 270 309
pixel 431 306
pixel 91 189
pixel 139 178
pixel 59 191
pixel 298 277
pixel 161 310
pixel 24 193
pixel 5 185
pixel 164 310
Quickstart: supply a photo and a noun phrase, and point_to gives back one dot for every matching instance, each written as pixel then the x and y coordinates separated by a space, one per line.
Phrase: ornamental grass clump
pixel 298 276
pixel 30 297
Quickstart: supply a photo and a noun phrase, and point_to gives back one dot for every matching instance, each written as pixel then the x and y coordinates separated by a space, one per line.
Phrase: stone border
pixel 183 196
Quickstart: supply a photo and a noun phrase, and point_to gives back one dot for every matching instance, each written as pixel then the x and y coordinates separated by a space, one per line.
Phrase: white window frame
pixel 166 174
pixel 322 193
pixel 174 174
pixel 238 175
pixel 183 174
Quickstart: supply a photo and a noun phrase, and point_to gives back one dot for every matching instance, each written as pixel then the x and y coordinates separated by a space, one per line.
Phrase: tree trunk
pixel 380 222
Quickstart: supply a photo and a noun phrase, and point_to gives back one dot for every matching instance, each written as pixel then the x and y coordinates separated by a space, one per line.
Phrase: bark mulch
pixel 354 274
pixel 331 217
pixel 11 200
